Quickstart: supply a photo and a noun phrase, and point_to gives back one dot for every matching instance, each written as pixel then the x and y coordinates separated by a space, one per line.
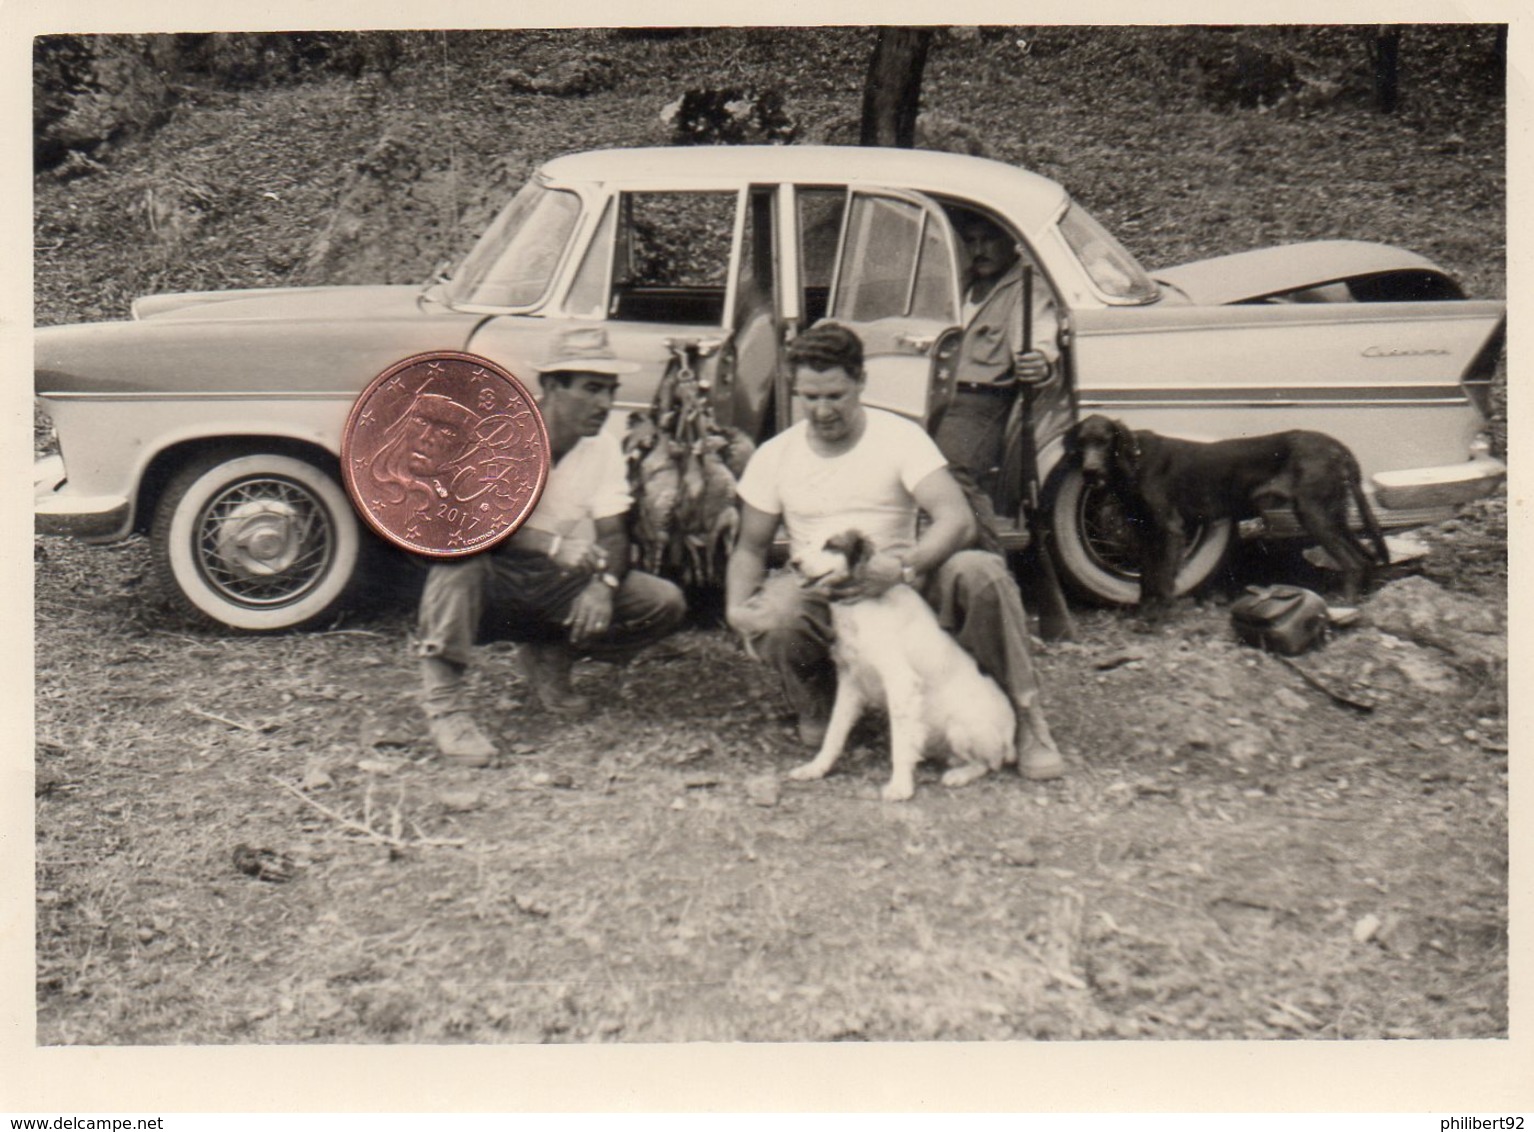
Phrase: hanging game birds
pixel 683 467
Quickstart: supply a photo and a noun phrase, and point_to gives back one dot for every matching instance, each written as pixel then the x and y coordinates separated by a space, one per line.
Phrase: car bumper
pixel 1414 489
pixel 93 518
pixel 1414 497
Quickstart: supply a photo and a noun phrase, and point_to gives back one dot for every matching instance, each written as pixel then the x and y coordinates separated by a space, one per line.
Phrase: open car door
pixel 897 285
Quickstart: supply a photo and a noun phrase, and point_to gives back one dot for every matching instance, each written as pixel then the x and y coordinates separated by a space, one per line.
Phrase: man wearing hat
pixel 561 585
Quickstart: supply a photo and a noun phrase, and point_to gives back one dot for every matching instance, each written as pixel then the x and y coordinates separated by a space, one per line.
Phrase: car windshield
pixel 1113 270
pixel 514 261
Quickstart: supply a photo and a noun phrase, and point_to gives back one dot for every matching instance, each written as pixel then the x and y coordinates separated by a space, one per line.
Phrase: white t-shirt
pixel 868 488
pixel 590 482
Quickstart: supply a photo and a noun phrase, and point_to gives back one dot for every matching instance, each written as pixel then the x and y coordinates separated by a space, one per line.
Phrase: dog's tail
pixel 1365 512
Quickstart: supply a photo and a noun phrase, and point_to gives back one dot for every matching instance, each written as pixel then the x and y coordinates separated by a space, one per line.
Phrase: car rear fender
pixel 1388 379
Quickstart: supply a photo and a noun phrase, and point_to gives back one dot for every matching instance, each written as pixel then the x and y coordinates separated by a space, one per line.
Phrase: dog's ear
pixel 862 550
pixel 851 545
pixel 1126 453
pixel 1070 442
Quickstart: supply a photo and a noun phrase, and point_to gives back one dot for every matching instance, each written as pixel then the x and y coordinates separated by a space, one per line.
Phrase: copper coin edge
pixel 353 494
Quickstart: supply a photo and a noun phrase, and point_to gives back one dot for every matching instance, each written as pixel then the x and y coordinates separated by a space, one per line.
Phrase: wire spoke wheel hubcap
pixel 1110 538
pixel 1097 543
pixel 1106 533
pixel 264 541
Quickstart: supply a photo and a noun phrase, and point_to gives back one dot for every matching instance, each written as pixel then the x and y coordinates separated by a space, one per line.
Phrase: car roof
pixel 1027 199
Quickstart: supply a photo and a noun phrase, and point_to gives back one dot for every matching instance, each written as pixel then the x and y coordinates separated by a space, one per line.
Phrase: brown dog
pixel 1166 485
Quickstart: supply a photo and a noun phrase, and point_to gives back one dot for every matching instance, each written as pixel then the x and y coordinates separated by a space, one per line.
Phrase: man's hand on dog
pixel 592 613
pixel 875 578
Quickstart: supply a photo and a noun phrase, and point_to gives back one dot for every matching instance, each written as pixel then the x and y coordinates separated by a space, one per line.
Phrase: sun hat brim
pixel 612 366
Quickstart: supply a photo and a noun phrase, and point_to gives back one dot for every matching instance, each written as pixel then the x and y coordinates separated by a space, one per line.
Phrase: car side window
pixel 755 288
pixel 895 262
pixel 672 257
pixel 975 228
pixel 820 227
pixel 932 296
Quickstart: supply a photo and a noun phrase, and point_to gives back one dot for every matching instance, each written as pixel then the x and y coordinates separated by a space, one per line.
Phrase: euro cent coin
pixel 445 454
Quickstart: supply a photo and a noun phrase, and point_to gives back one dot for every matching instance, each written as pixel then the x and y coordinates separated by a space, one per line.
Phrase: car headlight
pixel 1480 446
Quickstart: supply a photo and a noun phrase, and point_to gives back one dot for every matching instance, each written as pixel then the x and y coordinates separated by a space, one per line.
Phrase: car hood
pixel 289 303
pixel 1246 276
pixel 303 340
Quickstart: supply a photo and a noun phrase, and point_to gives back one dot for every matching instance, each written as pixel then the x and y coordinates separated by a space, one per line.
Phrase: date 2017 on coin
pixel 445 454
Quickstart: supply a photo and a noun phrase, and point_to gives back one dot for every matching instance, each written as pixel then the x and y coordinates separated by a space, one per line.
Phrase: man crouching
pixel 559 586
pixel 848 467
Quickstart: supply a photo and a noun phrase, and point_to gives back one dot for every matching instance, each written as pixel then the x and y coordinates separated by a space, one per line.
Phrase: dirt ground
pixel 1233 855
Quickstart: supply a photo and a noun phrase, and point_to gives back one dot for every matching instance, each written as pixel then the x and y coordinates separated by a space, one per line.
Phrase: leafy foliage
pixel 729 116
pixel 91 91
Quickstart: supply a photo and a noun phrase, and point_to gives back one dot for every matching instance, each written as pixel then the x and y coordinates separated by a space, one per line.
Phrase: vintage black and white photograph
pixel 1020 551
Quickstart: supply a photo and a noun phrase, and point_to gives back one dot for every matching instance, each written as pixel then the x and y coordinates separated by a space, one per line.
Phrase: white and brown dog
pixel 890 652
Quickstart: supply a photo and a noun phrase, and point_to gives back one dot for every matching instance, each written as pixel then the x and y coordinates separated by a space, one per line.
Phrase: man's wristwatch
pixel 609 579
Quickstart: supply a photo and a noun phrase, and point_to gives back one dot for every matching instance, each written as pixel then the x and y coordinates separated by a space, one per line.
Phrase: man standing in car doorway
pixel 973 431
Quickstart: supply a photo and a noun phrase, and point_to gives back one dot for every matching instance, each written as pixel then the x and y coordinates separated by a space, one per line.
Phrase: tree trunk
pixel 892 90
pixel 1387 67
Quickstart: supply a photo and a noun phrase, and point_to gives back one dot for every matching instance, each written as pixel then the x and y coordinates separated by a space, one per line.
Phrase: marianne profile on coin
pixel 445 454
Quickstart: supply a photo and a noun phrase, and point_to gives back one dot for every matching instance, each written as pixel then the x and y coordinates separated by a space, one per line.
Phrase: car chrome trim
pixel 1393 352
pixel 1281 523
pixel 1277 395
pixel 1236 316
pixel 347 395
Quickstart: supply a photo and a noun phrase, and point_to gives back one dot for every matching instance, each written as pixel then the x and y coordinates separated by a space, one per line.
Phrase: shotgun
pixel 1055 623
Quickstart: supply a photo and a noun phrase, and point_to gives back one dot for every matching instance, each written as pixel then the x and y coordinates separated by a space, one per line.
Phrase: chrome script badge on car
pixel 445 454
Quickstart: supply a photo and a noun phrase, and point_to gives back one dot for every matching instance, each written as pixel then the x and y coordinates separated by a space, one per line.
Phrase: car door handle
pixel 706 347
pixel 920 343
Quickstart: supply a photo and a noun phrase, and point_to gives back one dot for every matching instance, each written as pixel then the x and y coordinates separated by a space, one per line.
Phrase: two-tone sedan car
pixel 212 421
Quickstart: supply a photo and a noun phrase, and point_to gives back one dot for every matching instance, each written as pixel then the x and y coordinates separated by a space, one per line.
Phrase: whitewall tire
pixel 1094 555
pixel 259 542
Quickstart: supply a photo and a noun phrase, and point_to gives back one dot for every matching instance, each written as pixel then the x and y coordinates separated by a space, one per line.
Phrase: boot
pixel 547 664
pixel 459 740
pixel 1037 756
pixel 457 737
